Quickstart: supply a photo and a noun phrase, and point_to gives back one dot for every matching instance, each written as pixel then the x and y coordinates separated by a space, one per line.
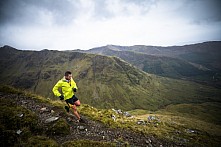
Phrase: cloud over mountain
pixel 83 24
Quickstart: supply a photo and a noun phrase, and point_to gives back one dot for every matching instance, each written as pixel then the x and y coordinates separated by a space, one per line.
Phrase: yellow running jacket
pixel 66 88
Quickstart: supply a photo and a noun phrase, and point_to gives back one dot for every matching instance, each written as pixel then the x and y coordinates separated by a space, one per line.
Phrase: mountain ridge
pixel 196 62
pixel 178 111
pixel 103 81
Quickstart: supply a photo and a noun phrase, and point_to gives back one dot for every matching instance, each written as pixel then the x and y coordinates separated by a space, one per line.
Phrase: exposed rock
pixel 127 114
pixel 191 131
pixel 150 118
pixel 43 109
pixel 18 132
pixel 51 119
pixel 153 119
pixel 20 115
pixel 81 128
pixel 113 117
pixel 141 122
pixel 119 111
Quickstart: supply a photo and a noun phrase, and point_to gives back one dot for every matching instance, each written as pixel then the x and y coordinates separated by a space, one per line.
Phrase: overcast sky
pixel 84 24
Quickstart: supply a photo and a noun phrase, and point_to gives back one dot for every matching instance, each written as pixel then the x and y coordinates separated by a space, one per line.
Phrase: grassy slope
pixel 171 126
pixel 159 65
pixel 197 62
pixel 104 82
pixel 178 127
pixel 108 82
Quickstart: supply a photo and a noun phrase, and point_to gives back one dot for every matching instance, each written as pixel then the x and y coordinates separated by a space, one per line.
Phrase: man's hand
pixel 75 90
pixel 61 97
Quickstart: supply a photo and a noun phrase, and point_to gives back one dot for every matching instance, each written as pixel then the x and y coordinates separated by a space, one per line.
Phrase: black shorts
pixel 72 100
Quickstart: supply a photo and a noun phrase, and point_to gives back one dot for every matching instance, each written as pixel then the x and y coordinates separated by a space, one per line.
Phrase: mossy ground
pixel 168 126
pixel 87 143
pixel 21 127
pixel 174 125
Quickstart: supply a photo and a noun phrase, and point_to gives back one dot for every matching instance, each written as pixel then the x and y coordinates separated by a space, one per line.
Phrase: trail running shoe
pixel 67 108
pixel 81 120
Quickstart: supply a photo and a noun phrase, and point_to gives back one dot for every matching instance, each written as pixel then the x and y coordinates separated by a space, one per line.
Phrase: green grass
pixel 175 121
pixel 103 82
pixel 14 117
pixel 41 141
pixel 175 127
pixel 205 111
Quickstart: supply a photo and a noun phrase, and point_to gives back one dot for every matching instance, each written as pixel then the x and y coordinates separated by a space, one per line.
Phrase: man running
pixel 68 88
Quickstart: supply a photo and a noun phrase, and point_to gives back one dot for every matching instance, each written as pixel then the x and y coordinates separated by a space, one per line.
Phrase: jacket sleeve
pixel 55 89
pixel 74 84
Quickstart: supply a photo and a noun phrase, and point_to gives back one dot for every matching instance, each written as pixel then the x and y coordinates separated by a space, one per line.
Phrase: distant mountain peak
pixel 113 47
pixel 7 47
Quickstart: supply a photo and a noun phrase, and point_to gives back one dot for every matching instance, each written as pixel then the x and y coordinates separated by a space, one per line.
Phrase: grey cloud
pixel 201 11
pixel 63 11
pixel 145 5
pixel 101 11
pixel 9 10
pixel 29 11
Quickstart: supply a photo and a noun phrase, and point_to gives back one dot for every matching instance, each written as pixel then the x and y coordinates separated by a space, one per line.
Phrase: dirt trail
pixel 91 130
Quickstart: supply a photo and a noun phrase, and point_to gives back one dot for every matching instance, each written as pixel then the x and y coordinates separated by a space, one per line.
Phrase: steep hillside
pixel 37 121
pixel 197 62
pixel 159 65
pixel 104 82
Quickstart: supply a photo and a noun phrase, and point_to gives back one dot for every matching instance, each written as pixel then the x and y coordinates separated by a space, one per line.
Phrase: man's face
pixel 68 77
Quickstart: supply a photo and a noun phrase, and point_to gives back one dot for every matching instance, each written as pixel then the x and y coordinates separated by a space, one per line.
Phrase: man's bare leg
pixel 77 103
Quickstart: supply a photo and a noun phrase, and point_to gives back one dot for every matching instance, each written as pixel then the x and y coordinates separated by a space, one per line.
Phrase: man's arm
pixel 74 86
pixel 55 89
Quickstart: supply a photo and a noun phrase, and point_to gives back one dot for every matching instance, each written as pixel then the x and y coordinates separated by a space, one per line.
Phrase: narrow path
pixel 91 130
